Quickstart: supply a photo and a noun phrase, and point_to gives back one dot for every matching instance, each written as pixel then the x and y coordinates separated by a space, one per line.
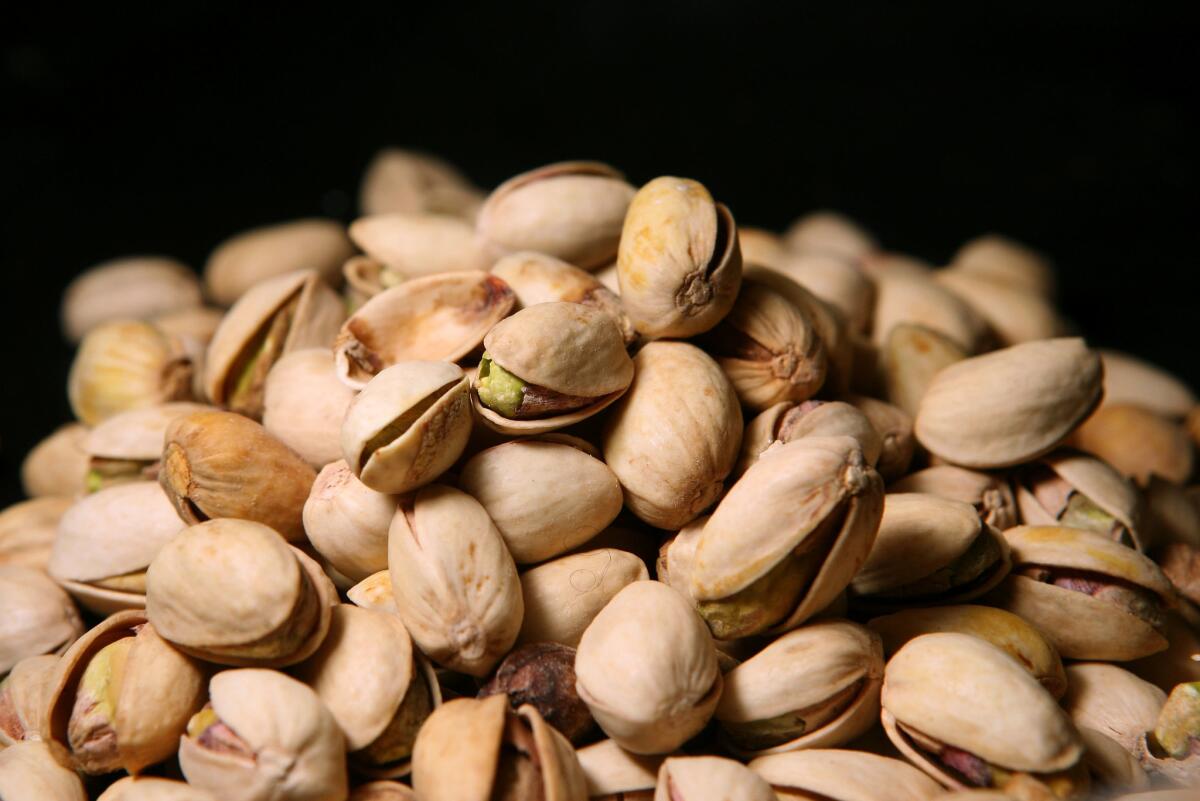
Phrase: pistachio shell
pixel 58 464
pixel 1011 405
pixel 1112 701
pixel 25 699
pixel 246 259
pixel 999 259
pixel 455 583
pixel 416 244
pixel 647 669
pixel 679 264
pixel 829 232
pixel 374 592
pixel 365 278
pixel 1137 442
pixel 198 324
pixel 786 422
pixel 304 403
pixel 991 496
pixel 291 747
pixel 564 595
pixel 28 529
pixel 881 265
pixel 911 356
pixel 36 617
pixel 835 279
pixel 131 288
pixel 1130 380
pixel 152 788
pixel 844 776
pixel 137 434
pixel 37 771
pixel 917 300
pixel 569 210
pixel 709 778
pixel 347 521
pixel 610 769
pixel 1013 314
pixel 382 791
pixel 895 428
pixel 1096 481
pixel 1112 767
pixel 438 317
pixel 674 436
pixel 399 180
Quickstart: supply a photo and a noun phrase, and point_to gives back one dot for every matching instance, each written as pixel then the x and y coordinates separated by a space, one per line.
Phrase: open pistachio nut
pixel 614 774
pixel 58 464
pixel 709 778
pixel 562 596
pixel 786 421
pixel 347 522
pixel 1066 488
pixel 365 278
pixel 417 244
pixel 542 674
pixel 36 616
pixel 128 446
pixel 843 775
pixel 991 495
pixel 25 699
pixel 1172 747
pixel 304 404
pixel 28 530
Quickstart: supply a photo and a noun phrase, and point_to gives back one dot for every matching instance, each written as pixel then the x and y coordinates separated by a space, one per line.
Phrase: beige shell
pixel 1004 261
pixel 36 616
pixel 911 356
pixel 438 317
pixel 829 232
pixel 762 247
pixel 965 692
pixel 829 661
pixel 538 278
pixel 1094 479
pixel 674 436
pixel 709 778
pixel 220 464
pixel 248 258
pixel 159 691
pixel 679 264
pixel 1003 629
pixel 1180 663
pixel 416 244
pixel 884 264
pixel 610 770
pixel 1112 767
pixel 25 698
pixel 455 583
pixel 234 593
pixel 895 428
pixel 365 278
pixel 382 791
pixel 37 771
pixel 304 404
pixel 198 324
pixel 544 497
pixel 917 300
pixel 28 529
pixel 782 501
pixel 408 425
pixel 374 592
pixel 138 433
pixel 570 210
pixel 1131 380
pixel 785 422
pixel 152 788
pixel 1138 442
pixel 1112 701
pixel 294 749
pixel 131 288
pixel 467 745
pixel 58 464
pixel 833 278
pixel 990 495
pixel 347 521
pixel 564 595
pixel 841 775
pixel 675 557
pixel 400 180
pixel 1011 405
pixel 1014 315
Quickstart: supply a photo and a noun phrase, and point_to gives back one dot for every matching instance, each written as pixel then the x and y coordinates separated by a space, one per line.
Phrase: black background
pixel 166 127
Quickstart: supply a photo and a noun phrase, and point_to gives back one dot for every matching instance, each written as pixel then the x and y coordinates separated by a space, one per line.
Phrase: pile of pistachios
pixel 578 490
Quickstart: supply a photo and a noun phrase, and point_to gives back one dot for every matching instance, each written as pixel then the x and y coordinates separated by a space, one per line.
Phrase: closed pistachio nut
pixel 842 775
pixel 131 288
pixel 709 778
pixel 198 324
pixel 1072 489
pixel 28 529
pixel 304 404
pixel 991 496
pixel 1112 701
pixel 38 771
pixel 829 232
pixel 1137 442
pixel 25 699
pixel 58 464
pixel 564 595
pixel 1007 262
pixel 1130 380
pixel 1012 314
pixel 914 299
pixel 153 788
pixel 679 264
pixel 347 522
pixel 256 255
pixel 836 279
pixel 398 180
pixel 416 244
pixel 36 616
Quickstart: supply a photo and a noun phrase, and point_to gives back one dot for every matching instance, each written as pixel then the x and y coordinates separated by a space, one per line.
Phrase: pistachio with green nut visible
pixel 1172 747
pixel 1075 490
pixel 128 446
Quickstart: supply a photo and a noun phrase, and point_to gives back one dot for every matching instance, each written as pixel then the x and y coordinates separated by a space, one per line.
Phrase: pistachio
pixel 786 422
pixel 1078 491
pixel 913 299
pixel 564 595
pixel 37 771
pixel 1112 701
pixel 36 616
pixel 895 429
pixel 382 791
pixel 911 356
pixel 304 403
pixel 829 232
pixel 614 774
pixel 1173 747
pixel 834 278
pixel 131 288
pixel 1006 262
pixel 128 446
pixel 399 180
pixel 1137 442
pixel 417 244
pixel 254 256
pixel 365 278
pixel 197 324
pixel 1180 562
pixel 1111 767
pixel 374 592
pixel 25 699
pixel 837 775
pixel 27 531
pixel 762 247
pixel 1012 314
pixel 1129 380
pixel 709 778
pixel 1179 663
pixel 152 788
pixel 990 495
pixel 1170 514
pixel 57 465
pixel 347 522
pixel 542 674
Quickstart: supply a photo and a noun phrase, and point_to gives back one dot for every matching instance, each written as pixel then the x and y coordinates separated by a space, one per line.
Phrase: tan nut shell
pixel 439 317
pixel 382 791
pixel 844 776
pixel 1112 701
pixel 1129 379
pixel 257 255
pixel 991 496
pixel 138 433
pixel 198 324
pixel 828 419
pixel 610 769
pixel 679 264
pixel 1004 261
pixel 299 753
pixel 571 210
pixel 1138 442
pixel 709 778
pixel 833 278
pixel 428 446
pixel 400 180
pixel 1013 314
pixel 152 788
pixel 829 232
pixel 58 464
pixel 26 689
pixel 1011 405
pixel 917 300
pixel 1103 485
pixel 37 771
pixel 564 595
pixel 374 592
pixel 1006 631
pixel 420 244
pixel 1110 765
pixel 895 429
pixel 160 690
pixel 347 522
pixel 28 529
pixel 304 404
pixel 36 616
pixel 455 583
pixel 647 669
pixel 779 502
pixel 229 583
pixel 545 498
pixel 131 288
pixel 674 436
pixel 762 247
pixel 911 356
pixel 966 692
pixel 801 669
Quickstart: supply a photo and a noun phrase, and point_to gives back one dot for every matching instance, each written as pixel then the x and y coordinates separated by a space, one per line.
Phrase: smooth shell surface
pixel 1128 379
pixel 36 616
pixel 564 595
pixel 138 433
pixel 398 180
pixel 28 530
pixel 347 521
pixel 1112 701
pixel 37 771
pixel 256 255
pixel 304 404
pixel 420 244
pixel 131 288
pixel 709 778
pixel 58 464
pixel 844 776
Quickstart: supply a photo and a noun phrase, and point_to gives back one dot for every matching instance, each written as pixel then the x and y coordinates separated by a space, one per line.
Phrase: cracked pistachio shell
pixel 455 583
pixel 374 592
pixel 1004 261
pixel 1131 380
pixel 36 616
pixel 1013 315
pixel 613 774
pixel 919 552
pixel 136 435
pixel 814 500
pixel 233 592
pixel 674 436
pixel 842 775
pixel 571 210
pixel 277 316
pixel 347 522
pixel 1081 625
pixel 153 788
pixel 1009 406
pixel 785 422
pixel 919 300
pixel 895 429
pixel 647 669
pixel 398 180
pixel 304 404
pixel 417 244
pixel 564 595
pixel 679 264
pixel 408 425
pixel 107 540
pixel 220 464
pixel 829 232
pixel 134 718
pixel 545 497
pixel 816 686
pixel 911 356
pixel 538 278
pixel 131 288
pixel 1077 473
pixel 25 699
pixel 709 778
pixel 1112 701
pixel 28 529
pixel 1112 768
pixel 965 692
pixel 835 279
pixel 365 278
pixel 58 464
pixel 1006 631
pixel 37 771
pixel 125 364
pixel 769 348
pixel 441 317
pixel 1137 442
pixel 289 747
pixel 252 257
pixel 990 495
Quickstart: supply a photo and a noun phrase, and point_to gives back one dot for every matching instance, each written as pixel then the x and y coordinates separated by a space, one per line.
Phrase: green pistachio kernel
pixel 499 389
